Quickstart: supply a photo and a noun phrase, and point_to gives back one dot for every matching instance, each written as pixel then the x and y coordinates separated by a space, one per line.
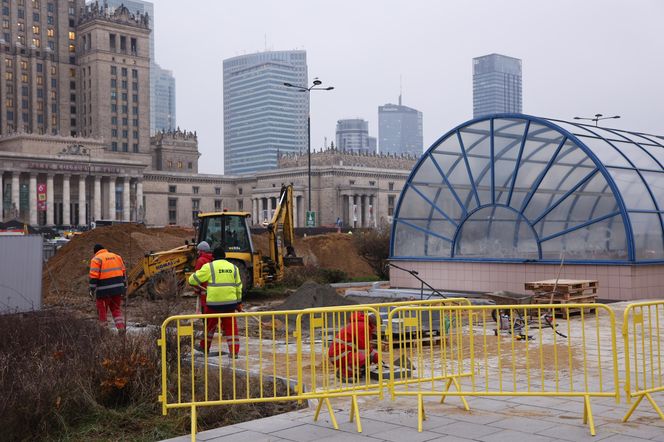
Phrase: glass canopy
pixel 512 187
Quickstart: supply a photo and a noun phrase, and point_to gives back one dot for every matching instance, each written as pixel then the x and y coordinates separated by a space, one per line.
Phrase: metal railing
pixel 643 325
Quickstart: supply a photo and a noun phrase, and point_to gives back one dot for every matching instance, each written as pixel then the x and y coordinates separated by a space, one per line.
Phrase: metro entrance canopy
pixel 518 188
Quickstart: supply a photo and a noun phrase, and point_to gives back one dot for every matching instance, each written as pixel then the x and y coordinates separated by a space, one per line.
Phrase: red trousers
pixel 228 325
pixel 113 304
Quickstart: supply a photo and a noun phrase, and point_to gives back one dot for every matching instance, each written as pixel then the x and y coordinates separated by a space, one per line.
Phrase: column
pixel 295 220
pixel 16 204
pixel 125 200
pixel 97 199
pixel 66 220
pixel 111 198
pixel 365 210
pixel 374 217
pixel 50 200
pixel 2 188
pixel 254 210
pixel 140 210
pixel 32 198
pixel 82 213
pixel 351 218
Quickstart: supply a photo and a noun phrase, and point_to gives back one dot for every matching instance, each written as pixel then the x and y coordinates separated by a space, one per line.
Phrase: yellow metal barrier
pixel 517 350
pixel 643 325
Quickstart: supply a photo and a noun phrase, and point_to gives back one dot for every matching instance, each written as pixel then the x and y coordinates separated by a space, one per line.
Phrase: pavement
pixel 509 419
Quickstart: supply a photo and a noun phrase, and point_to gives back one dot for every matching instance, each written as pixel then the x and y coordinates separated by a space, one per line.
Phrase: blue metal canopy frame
pixel 579 186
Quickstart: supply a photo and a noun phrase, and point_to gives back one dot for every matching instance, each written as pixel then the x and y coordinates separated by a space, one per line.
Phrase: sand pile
pixel 329 251
pixel 66 274
pixel 312 295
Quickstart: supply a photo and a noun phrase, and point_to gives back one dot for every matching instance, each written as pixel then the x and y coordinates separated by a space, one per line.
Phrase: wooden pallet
pixel 567 289
pixel 561 300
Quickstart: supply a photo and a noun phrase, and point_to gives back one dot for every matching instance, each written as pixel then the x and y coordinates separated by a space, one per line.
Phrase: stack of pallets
pixel 563 291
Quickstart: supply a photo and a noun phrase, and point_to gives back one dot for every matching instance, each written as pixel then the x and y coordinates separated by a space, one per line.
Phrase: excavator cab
pixel 227 229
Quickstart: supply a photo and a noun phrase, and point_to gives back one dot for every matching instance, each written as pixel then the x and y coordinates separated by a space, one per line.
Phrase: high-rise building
pixel 114 67
pixel 399 130
pixel 496 85
pixel 353 136
pixel 162 88
pixel 262 117
pixel 163 111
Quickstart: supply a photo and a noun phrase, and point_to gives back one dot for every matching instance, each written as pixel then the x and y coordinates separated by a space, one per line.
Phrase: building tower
pixel 496 85
pixel 353 136
pixel 261 116
pixel 399 130
pixel 115 78
pixel 39 82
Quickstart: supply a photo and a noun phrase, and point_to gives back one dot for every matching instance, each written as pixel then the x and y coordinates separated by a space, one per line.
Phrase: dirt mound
pixel 65 275
pixel 312 295
pixel 328 251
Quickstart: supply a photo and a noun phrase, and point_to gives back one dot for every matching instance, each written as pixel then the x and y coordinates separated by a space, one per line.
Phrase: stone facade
pixel 175 151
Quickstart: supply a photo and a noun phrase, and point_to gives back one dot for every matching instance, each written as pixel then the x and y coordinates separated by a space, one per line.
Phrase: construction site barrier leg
pixel 420 412
pixel 329 409
pixel 193 423
pixel 638 401
pixel 355 413
pixel 588 415
pixel 448 384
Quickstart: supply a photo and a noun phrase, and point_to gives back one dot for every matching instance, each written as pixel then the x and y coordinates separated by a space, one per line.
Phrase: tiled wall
pixel 615 282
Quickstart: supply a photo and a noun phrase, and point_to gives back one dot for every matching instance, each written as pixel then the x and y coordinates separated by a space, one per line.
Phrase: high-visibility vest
pixel 107 274
pixel 224 285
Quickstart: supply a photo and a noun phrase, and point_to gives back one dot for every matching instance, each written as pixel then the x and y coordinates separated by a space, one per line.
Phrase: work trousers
pixel 113 304
pixel 228 325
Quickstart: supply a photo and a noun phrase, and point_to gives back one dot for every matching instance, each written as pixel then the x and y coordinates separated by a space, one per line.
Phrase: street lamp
pixel 314 87
pixel 597 118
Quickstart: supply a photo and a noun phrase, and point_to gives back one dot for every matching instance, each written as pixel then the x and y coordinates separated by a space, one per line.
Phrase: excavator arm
pixel 281 233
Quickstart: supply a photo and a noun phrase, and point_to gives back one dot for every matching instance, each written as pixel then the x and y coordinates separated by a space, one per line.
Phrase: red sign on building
pixel 41 197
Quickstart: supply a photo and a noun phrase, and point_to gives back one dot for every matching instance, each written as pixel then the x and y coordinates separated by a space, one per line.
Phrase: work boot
pixel 201 351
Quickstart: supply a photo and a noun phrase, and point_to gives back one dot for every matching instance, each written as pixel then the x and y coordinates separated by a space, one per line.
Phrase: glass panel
pixel 408 241
pixel 655 151
pixel 478 151
pixel 636 155
pixel 540 146
pixel 633 191
pixel 655 182
pixel 604 240
pixel 413 206
pixel 438 227
pixel 427 173
pixel 592 200
pixel 448 153
pixel 605 152
pixel 436 247
pixel 507 143
pixel 507 127
pixel 647 232
pixel 496 232
pixel 442 197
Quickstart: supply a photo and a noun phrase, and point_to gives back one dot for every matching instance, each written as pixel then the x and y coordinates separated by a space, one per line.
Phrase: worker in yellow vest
pixel 224 295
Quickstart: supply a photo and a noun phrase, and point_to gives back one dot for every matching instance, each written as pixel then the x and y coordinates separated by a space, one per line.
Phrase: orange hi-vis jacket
pixel 108 275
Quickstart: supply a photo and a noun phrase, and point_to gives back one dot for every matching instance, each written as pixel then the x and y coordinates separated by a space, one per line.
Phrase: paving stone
pixel 218 432
pixel 572 432
pixel 524 424
pixel 402 434
pixel 465 429
pixel 186 438
pixel 631 429
pixel 369 426
pixel 270 424
pixel 511 436
pixel 305 433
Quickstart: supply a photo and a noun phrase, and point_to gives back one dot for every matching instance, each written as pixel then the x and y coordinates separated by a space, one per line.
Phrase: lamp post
pixel 314 87
pixel 597 118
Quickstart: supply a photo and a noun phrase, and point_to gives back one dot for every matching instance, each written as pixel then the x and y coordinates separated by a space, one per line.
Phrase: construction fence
pixel 418 349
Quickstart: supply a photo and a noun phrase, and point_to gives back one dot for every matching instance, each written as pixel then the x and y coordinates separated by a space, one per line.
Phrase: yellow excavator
pixel 163 272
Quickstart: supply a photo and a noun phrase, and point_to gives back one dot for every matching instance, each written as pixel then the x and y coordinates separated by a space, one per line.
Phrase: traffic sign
pixel 311 219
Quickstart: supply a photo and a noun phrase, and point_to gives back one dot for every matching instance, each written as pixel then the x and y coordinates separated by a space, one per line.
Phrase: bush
pixel 373 246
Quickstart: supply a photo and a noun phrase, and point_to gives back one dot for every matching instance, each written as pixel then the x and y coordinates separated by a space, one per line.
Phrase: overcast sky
pixel 580 57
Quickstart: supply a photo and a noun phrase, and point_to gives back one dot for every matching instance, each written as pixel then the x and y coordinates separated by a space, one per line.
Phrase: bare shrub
pixel 373 245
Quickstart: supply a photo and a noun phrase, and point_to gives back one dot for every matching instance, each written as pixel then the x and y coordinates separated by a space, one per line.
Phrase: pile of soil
pixel 328 251
pixel 312 295
pixel 65 275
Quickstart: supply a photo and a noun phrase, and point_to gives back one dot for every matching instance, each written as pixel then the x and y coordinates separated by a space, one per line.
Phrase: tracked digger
pixel 162 273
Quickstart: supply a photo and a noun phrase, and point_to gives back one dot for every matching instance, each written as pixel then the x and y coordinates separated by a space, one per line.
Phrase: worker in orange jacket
pixel 108 284
pixel 204 257
pixel 351 351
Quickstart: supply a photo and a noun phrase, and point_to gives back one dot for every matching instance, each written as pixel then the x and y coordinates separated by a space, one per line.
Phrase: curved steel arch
pixel 510 183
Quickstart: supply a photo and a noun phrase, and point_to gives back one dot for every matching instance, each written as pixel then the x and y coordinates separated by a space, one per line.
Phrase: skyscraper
pixel 399 129
pixel 163 113
pixel 496 85
pixel 262 117
pixel 353 135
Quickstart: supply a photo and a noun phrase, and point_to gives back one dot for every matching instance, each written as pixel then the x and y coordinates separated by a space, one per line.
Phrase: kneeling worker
pixel 348 351
pixel 224 295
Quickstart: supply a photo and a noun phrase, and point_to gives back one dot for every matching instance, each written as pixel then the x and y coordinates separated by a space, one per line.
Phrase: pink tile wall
pixel 615 282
